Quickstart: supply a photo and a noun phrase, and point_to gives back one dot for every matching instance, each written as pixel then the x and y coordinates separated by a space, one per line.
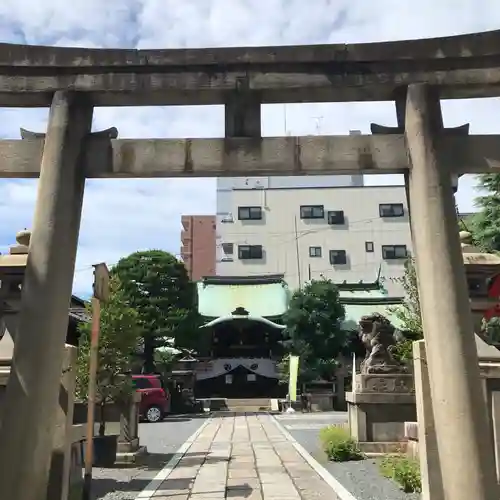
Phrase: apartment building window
pixel 250 213
pixel 312 212
pixel 338 257
pixel 228 248
pixel 369 248
pixel 391 210
pixel 249 252
pixel 394 252
pixel 314 251
pixel 227 252
pixel 336 218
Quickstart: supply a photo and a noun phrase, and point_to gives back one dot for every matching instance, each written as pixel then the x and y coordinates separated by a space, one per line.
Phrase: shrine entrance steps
pixel 249 405
pixel 241 405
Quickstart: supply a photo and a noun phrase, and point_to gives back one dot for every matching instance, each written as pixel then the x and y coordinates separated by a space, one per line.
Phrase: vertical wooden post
pixel 101 291
pixel 89 443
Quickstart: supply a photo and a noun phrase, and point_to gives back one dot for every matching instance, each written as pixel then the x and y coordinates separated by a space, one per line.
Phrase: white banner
pixel 261 366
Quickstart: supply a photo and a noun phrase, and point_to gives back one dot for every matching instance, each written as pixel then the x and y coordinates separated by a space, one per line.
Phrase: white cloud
pixel 122 216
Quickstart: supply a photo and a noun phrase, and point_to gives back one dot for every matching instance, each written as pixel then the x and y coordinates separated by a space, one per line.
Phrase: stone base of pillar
pixel 131 456
pixel 378 408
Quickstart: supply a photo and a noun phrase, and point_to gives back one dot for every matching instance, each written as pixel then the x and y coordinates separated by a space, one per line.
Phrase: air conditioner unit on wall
pixel 228 218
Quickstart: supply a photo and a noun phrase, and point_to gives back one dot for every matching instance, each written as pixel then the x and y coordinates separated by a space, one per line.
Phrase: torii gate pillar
pixel 31 399
pixel 464 447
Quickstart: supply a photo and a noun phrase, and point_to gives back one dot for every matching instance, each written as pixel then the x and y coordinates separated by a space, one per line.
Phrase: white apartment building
pixel 309 227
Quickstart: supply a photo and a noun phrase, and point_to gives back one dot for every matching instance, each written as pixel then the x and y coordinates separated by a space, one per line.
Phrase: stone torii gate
pixel 414 74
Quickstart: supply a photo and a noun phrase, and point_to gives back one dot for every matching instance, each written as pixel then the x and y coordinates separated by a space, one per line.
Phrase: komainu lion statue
pixel 379 336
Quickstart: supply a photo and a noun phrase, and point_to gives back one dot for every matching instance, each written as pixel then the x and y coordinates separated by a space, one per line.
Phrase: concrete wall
pixel 286 247
pixel 198 245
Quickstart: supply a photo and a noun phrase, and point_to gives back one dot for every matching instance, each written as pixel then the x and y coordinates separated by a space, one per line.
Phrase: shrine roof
pixel 358 303
pixel 260 296
pixel 233 317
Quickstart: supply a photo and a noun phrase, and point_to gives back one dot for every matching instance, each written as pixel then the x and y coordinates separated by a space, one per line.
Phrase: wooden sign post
pixel 100 294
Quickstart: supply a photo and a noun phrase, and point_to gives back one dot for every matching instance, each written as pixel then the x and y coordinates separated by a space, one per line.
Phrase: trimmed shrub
pixel 338 445
pixel 404 470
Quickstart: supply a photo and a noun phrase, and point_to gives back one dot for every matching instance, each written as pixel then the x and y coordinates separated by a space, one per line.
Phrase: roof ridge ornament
pixel 240 311
pixel 109 133
pixel 23 242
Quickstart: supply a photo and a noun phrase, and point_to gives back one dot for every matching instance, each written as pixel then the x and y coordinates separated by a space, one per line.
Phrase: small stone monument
pixel 383 394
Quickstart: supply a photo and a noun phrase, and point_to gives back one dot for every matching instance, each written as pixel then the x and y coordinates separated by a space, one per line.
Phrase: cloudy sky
pixel 126 215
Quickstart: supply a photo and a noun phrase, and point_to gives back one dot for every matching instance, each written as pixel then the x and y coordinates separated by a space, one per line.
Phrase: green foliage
pixel 164 361
pixel 157 286
pixel 491 329
pixel 119 334
pixel 486 222
pixel 313 329
pixel 408 313
pixel 338 444
pixel 403 350
pixel 404 470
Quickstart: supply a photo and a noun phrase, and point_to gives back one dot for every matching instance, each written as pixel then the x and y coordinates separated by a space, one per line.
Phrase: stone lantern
pixel 12 268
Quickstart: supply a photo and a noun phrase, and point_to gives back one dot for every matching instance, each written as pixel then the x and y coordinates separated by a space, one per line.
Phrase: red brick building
pixel 198 245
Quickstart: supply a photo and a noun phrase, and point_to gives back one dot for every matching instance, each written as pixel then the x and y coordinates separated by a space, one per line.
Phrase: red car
pixel 155 399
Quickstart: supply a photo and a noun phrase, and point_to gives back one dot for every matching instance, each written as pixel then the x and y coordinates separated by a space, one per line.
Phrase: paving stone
pixel 178 484
pixel 238 494
pixel 280 492
pixel 318 495
pixel 243 484
pixel 242 466
pixel 242 473
pixel 272 478
pixel 181 496
pixel 203 496
pixel 169 494
pixel 243 457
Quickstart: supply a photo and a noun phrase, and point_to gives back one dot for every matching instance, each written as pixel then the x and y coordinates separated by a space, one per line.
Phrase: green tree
pixel 408 313
pixel 313 330
pixel 491 329
pixel 486 222
pixel 157 286
pixel 119 334
pixel 165 360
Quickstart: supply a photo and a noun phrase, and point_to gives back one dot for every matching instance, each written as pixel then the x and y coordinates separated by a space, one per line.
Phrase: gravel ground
pixel 162 441
pixel 364 481
pixel 361 478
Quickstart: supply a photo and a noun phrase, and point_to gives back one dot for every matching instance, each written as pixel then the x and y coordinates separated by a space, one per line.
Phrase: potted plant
pixel 119 334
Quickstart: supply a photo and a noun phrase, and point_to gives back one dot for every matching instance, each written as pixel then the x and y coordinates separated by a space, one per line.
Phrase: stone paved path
pixel 243 456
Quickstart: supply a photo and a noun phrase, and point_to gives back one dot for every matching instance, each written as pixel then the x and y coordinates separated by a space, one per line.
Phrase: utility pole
pixel 297 251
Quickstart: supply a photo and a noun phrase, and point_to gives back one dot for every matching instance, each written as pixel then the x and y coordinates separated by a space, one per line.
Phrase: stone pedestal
pixel 424 433
pixel 378 408
pixel 128 440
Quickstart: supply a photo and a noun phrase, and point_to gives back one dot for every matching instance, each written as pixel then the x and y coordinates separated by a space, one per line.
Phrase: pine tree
pixel 486 222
